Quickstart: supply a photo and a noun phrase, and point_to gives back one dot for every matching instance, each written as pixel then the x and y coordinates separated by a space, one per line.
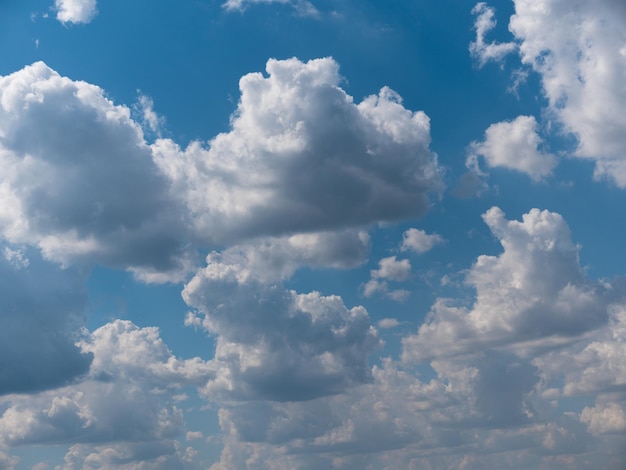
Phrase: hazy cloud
pixel 480 49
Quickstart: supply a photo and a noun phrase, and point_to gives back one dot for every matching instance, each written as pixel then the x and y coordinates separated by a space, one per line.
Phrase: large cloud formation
pixel 78 179
pixel 41 310
pixel 273 343
pixel 302 156
pixel 123 411
pixel 579 50
pixel 534 293
pixel 491 377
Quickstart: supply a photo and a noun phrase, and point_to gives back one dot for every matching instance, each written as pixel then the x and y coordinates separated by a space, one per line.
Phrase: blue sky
pixel 278 234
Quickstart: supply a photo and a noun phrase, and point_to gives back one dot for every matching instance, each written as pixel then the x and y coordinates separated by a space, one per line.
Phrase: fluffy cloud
pixel 535 292
pixel 578 48
pixel 481 50
pixel 126 397
pixel 277 258
pixel 473 414
pixel 302 7
pixel 595 366
pixel 41 314
pixel 274 343
pixel 608 418
pixel 389 269
pixel 419 241
pixel 76 11
pixel 302 156
pixel 514 145
pixel 78 179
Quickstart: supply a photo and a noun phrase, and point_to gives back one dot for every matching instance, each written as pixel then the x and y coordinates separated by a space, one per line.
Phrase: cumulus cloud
pixel 78 179
pixel 480 49
pixel 41 315
pixel 595 366
pixel 606 418
pixel 76 11
pixel 390 269
pixel 514 145
pixel 302 7
pixel 277 258
pixel 122 408
pixel 273 343
pixel 419 241
pixel 535 292
pixel 578 49
pixel 302 156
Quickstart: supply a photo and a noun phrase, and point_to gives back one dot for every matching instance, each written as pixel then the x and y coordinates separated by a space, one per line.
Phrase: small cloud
pixel 479 49
pixel 194 436
pixel 76 11
pixel 388 323
pixel 419 241
pixel 302 7
pixel 393 269
pixel 515 145
pixel 16 258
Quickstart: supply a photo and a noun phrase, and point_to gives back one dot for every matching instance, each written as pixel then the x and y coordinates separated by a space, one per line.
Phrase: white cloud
pixel 78 179
pixel 389 269
pixel 122 412
pixel 392 269
pixel 302 7
pixel 273 343
pixel 534 293
pixel 577 49
pixel 514 145
pixel 419 241
pixel 481 50
pixel 606 418
pixel 596 366
pixel 76 11
pixel 302 156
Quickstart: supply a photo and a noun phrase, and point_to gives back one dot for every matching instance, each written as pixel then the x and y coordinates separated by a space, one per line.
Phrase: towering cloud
pixel 302 156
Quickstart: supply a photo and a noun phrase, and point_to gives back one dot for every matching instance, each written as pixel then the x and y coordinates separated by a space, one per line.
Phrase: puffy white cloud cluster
pixel 533 294
pixel 296 182
pixel 579 48
pixel 514 145
pixel 121 412
pixel 78 178
pixel 419 241
pixel 273 343
pixel 302 156
pixel 390 269
pixel 538 331
pixel 76 11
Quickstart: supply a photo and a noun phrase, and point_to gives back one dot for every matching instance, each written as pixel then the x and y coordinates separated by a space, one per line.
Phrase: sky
pixel 310 234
